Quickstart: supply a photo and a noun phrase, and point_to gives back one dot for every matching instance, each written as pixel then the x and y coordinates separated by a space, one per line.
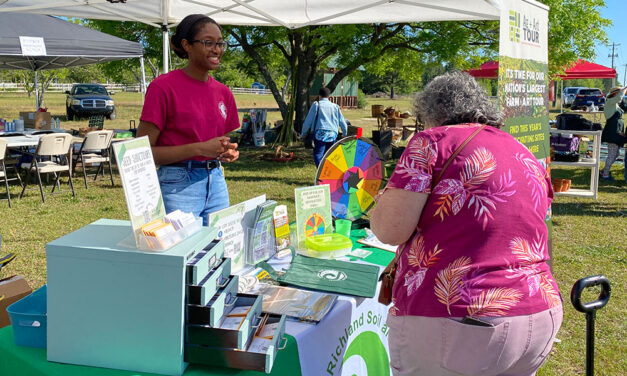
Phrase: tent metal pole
pixel 166 47
pixel 36 93
pixel 165 11
pixel 561 96
pixel 143 83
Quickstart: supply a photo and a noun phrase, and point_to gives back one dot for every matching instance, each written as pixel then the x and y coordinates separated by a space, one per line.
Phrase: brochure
pixel 232 223
pixel 313 212
pixel 140 183
pixel 261 240
pixel 281 227
pixel 371 240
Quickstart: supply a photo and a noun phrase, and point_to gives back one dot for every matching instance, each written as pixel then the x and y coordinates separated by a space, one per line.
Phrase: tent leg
pixel 143 83
pixel 36 93
pixel 166 47
pixel 561 96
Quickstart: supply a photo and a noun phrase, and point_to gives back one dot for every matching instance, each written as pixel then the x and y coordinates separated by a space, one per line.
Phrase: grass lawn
pixel 590 236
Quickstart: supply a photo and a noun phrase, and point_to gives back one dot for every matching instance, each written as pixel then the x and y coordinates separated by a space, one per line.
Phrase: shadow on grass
pixel 593 209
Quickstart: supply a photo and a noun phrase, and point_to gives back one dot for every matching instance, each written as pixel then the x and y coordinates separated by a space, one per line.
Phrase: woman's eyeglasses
pixel 211 44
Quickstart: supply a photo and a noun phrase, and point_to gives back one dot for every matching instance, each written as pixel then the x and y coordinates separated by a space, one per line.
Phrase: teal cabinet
pixel 111 305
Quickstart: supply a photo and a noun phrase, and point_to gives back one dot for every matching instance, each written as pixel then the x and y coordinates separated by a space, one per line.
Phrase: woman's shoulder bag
pixel 310 136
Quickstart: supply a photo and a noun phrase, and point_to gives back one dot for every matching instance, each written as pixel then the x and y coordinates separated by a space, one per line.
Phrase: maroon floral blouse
pixel 480 248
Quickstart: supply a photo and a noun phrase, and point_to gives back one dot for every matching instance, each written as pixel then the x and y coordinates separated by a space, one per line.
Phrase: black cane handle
pixel 580 285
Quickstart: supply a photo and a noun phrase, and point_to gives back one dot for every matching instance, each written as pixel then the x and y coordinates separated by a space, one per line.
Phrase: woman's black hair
pixel 187 29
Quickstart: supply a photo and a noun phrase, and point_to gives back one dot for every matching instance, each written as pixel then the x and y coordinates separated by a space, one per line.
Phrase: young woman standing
pixel 187 117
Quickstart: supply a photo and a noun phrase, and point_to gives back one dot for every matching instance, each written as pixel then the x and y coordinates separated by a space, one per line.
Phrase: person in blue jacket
pixel 324 120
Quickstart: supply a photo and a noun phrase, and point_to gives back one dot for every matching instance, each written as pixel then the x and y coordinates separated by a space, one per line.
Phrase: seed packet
pixel 267 331
pixel 239 311
pixel 231 323
pixel 260 345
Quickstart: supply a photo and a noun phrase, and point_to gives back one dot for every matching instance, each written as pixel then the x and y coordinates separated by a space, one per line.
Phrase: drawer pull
pixel 260 320
pixel 283 343
pixel 223 284
pixel 231 302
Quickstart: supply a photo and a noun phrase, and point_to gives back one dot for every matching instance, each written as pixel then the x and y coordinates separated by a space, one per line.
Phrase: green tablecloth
pixel 378 256
pixel 27 361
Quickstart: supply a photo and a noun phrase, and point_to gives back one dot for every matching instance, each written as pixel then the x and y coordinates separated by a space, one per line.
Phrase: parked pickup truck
pixel 85 100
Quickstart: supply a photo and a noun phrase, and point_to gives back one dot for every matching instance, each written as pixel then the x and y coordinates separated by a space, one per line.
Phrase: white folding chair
pixel 52 156
pixel 3 171
pixel 95 149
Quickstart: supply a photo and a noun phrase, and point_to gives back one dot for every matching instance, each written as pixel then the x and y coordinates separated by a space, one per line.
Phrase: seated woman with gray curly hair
pixel 473 293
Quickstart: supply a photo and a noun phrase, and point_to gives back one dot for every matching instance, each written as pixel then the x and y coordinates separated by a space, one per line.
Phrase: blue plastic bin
pixel 28 318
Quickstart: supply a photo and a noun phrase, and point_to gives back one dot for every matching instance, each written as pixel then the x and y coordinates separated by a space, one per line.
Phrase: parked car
pixel 569 93
pixel 85 100
pixel 588 97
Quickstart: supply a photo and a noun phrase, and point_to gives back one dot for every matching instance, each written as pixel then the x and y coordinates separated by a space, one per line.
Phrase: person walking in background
pixel 473 293
pixel 187 117
pixel 614 130
pixel 324 121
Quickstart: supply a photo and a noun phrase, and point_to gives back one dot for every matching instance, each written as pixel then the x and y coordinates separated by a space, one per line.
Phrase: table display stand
pixel 591 163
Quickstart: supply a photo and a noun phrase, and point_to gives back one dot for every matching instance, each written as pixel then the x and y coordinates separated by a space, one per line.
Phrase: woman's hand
pixel 214 147
pixel 230 154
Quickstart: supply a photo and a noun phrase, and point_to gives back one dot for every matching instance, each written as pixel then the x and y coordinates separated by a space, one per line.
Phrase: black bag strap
pixel 315 122
pixel 435 182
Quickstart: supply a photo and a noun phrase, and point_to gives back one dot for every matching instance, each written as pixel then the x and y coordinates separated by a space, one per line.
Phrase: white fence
pixel 247 90
pixel 62 87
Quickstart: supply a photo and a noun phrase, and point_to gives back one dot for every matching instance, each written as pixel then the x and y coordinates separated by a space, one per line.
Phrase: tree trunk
pixel 45 82
pixel 28 86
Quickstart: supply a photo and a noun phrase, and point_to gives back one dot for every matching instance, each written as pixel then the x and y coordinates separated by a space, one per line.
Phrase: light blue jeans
pixel 194 190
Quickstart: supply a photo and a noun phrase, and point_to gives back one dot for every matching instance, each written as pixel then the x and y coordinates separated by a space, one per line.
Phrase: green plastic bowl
pixel 328 246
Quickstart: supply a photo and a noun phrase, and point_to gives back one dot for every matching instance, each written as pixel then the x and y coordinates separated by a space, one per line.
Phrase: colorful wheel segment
pixel 314 225
pixel 353 170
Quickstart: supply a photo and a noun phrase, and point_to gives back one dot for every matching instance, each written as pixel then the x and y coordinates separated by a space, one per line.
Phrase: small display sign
pixel 33 46
pixel 140 182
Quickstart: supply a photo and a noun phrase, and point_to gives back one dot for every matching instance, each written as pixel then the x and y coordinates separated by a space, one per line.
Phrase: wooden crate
pixel 376 110
pixel 395 122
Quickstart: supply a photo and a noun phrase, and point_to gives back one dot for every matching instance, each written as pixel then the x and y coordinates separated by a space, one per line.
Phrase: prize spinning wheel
pixel 353 170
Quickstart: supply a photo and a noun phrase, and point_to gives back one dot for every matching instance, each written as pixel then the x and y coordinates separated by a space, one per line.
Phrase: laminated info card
pixel 232 223
pixel 313 212
pixel 140 182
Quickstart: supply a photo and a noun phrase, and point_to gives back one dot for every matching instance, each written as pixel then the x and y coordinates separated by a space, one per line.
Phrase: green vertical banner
pixel 523 93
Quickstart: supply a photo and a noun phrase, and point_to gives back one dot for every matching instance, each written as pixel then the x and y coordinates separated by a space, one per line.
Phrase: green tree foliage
pixel 303 52
pixel 400 72
pixel 86 74
pixel 128 70
pixel 232 72
pixel 575 29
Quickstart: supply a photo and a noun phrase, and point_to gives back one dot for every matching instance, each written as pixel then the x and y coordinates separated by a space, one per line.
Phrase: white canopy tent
pixel 288 13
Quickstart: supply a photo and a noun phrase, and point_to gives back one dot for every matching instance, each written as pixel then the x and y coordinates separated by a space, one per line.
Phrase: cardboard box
pixel 13 288
pixel 37 120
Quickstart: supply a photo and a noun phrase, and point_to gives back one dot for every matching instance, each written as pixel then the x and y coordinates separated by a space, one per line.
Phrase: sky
pixel 616 11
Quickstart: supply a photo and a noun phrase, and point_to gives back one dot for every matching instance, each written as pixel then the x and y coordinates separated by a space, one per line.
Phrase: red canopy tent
pixel 580 69
pixel 586 69
pixel 489 69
